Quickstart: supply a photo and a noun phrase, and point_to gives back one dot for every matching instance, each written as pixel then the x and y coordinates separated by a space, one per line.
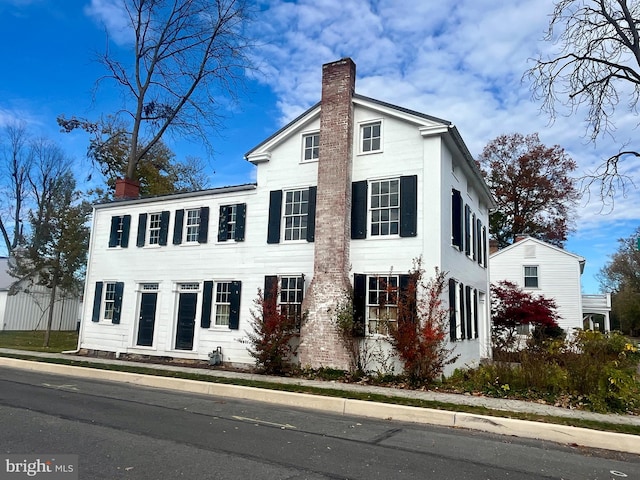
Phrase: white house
pixel 347 195
pixel 28 308
pixel 544 269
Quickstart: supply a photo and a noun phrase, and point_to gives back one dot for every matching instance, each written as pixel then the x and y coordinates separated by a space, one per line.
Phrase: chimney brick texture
pixel 320 343
pixel 127 189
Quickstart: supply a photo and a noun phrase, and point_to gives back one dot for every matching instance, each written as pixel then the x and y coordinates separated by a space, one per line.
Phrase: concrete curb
pixel 383 411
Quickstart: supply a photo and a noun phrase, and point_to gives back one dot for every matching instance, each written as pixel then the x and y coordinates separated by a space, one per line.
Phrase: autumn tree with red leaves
pixel 532 186
pixel 512 307
pixel 420 334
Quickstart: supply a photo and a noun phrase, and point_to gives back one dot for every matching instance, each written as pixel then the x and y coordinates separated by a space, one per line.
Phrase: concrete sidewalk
pixel 506 426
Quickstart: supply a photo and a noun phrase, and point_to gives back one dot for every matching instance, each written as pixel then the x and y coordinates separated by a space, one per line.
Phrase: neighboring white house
pixel 347 195
pixel 544 269
pixel 28 308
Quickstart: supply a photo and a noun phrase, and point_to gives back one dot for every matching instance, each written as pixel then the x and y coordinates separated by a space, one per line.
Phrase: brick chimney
pixel 127 189
pixel 320 344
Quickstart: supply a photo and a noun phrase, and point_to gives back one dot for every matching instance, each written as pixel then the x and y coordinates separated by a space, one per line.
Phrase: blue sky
pixel 463 62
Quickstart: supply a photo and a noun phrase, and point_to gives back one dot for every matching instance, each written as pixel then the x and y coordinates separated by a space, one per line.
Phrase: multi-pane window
pixel 109 300
pixel 223 303
pixel 530 276
pixel 291 294
pixel 311 146
pixel 371 134
pixel 192 225
pixel 154 228
pixel 119 230
pixel 385 207
pixel 231 213
pixel 382 307
pixel 296 209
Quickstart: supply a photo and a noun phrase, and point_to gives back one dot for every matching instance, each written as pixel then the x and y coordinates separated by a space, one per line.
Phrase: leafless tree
pixel 597 67
pixel 16 163
pixel 186 56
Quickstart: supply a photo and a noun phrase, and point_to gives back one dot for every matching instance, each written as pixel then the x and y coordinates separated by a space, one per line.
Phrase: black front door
pixel 186 321
pixel 147 319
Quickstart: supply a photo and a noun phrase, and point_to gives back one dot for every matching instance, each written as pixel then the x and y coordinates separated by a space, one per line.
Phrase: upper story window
pixel 296 209
pixel 232 222
pixel 154 228
pixel 385 207
pixel 119 233
pixel 382 303
pixel 530 276
pixel 310 146
pixel 371 137
pixel 192 225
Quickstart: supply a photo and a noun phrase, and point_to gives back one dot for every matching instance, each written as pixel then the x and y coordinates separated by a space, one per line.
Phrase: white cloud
pixel 113 16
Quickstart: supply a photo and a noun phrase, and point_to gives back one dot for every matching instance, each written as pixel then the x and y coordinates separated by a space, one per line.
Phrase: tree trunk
pixel 52 302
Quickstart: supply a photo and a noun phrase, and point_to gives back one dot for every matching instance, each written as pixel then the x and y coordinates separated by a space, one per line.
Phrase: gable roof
pixel 428 125
pixel 529 240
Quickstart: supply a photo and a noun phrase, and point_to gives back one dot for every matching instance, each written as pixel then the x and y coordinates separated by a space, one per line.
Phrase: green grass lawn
pixel 34 340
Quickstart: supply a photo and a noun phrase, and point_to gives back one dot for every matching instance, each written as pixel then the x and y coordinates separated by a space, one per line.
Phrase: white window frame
pixel 191 225
pixel 291 297
pixel 314 148
pixel 378 322
pixel 364 127
pixel 295 218
pixel 222 302
pixel 119 231
pixel 154 228
pixel 376 210
pixel 108 301
pixel 536 276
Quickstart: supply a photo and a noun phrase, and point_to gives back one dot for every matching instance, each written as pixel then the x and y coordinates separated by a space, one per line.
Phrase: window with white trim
pixel 296 209
pixel 223 303
pixel 109 300
pixel 231 212
pixel 310 147
pixel 291 295
pixel 384 207
pixel 382 304
pixel 530 276
pixel 192 225
pixel 155 220
pixel 371 137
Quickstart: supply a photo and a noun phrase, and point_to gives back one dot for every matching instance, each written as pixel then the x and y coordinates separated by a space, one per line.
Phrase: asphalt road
pixel 123 431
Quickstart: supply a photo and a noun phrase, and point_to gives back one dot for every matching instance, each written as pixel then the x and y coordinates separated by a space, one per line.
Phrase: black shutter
pixel 456 218
pixel 475 314
pixel 479 248
pixel 485 259
pixel 359 304
pixel 409 206
pixel 467 299
pixel 234 308
pixel 359 210
pixel 164 228
pixel 275 211
pixel 117 304
pixel 207 297
pixel 203 229
pixel 270 294
pixel 408 296
pixel 311 215
pixel 142 229
pixel 463 312
pixel 241 218
pixel 126 226
pixel 474 236
pixel 97 302
pixel 453 334
pixel 113 234
pixel 222 223
pixel 467 231
pixel 177 227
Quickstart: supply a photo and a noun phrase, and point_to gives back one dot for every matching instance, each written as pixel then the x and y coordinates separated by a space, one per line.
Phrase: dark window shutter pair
pixel 113 234
pixel 97 302
pixel 203 230
pixel 408 207
pixel 241 216
pixel 453 334
pixel 142 229
pixel 275 215
pixel 234 309
pixel 456 219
